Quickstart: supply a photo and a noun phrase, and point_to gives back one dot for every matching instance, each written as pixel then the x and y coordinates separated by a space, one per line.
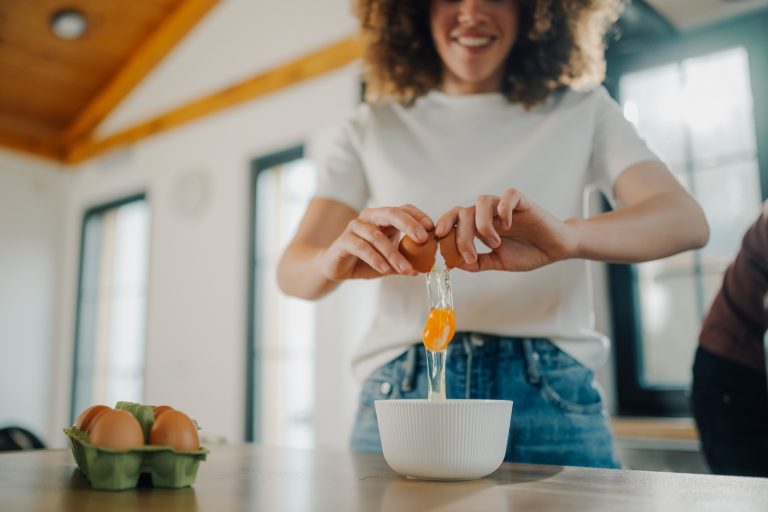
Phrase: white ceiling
pixel 688 14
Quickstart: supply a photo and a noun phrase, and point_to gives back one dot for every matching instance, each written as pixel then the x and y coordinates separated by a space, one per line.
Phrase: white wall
pixel 237 39
pixel 32 201
pixel 196 324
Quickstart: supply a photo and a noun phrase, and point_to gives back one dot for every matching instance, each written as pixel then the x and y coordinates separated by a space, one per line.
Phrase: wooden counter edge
pixel 654 428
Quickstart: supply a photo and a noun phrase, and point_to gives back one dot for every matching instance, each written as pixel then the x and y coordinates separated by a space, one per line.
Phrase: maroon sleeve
pixel 736 321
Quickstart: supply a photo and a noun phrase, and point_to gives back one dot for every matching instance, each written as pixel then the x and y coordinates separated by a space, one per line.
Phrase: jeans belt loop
pixel 466 341
pixel 411 369
pixel 476 340
pixel 532 367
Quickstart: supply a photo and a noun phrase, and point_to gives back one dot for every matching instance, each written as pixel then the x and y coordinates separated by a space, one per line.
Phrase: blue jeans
pixel 558 415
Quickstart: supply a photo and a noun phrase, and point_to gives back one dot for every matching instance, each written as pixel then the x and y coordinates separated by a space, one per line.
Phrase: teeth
pixel 474 42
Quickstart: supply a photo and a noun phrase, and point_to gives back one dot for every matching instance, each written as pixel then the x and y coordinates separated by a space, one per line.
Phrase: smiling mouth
pixel 475 41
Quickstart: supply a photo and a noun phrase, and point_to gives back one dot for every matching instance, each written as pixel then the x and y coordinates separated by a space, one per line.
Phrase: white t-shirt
pixel 444 151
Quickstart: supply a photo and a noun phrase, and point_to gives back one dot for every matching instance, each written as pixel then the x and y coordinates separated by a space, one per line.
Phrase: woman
pixel 477 126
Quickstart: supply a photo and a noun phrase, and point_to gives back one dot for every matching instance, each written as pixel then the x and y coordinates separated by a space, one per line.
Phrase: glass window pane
pixel 112 306
pixel 89 277
pixel 698 115
pixel 730 196
pixel 670 327
pixel 286 330
pixel 718 105
pixel 652 101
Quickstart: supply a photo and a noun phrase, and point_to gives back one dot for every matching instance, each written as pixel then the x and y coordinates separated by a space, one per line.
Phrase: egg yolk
pixel 439 329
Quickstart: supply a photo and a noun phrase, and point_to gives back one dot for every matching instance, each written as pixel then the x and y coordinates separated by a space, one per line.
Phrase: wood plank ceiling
pixel 54 92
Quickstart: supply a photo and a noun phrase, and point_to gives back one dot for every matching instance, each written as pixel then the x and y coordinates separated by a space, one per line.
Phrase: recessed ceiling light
pixel 68 24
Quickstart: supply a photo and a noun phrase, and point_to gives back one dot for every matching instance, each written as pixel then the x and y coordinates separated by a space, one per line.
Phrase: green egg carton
pixel 114 470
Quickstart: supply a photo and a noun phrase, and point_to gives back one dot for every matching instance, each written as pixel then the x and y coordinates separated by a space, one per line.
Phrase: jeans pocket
pixel 381 385
pixel 568 384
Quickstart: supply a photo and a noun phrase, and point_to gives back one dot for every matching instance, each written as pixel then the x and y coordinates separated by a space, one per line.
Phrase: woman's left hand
pixel 521 235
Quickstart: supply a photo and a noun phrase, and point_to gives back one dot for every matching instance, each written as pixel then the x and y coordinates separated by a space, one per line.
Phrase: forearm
pixel 659 226
pixel 299 274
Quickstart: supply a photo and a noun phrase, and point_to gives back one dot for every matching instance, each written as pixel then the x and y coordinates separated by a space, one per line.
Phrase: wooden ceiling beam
pixel 30 146
pixel 307 67
pixel 138 65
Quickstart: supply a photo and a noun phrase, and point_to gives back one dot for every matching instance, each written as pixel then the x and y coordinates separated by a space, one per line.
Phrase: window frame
pixel 633 398
pixel 253 339
pixel 93 211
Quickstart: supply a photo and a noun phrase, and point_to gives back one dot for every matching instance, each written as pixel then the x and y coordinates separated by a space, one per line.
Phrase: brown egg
pixel 174 428
pixel 157 410
pixel 116 429
pixel 421 256
pixel 86 418
pixel 449 250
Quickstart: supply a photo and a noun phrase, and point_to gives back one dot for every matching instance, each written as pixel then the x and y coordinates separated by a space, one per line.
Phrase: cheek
pixel 440 29
pixel 507 18
pixel 510 30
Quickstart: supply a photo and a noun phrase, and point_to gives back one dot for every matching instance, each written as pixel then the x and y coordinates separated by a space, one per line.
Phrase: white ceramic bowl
pixel 450 440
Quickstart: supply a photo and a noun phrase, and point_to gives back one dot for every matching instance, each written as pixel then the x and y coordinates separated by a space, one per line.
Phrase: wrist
pixel 574 246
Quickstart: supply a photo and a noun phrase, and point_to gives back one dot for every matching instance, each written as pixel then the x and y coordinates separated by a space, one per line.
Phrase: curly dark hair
pixel 560 44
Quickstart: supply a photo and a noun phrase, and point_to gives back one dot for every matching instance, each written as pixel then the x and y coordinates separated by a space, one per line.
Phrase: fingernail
pixel 404 266
pixel 467 257
pixel 421 233
pixel 496 242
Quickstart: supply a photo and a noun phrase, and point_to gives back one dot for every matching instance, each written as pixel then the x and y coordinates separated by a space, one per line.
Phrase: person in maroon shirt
pixel 730 389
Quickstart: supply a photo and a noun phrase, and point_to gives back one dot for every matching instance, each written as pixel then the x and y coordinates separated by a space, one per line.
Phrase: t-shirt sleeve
pixel 340 172
pixel 616 145
pixel 736 321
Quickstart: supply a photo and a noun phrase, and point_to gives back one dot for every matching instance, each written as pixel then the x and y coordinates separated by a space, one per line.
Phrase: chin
pixel 476 79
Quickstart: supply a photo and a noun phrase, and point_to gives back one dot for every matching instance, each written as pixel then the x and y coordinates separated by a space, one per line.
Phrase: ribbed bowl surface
pixel 450 440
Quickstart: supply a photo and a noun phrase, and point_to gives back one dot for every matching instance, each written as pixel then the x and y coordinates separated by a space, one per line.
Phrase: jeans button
pixel 385 388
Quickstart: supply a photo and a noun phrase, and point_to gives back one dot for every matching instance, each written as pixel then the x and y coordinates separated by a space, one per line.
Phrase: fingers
pixel 485 261
pixel 465 234
pixel 446 223
pixel 350 244
pixel 477 220
pixel 400 218
pixel 376 249
pixel 485 220
pixel 372 239
pixel 512 200
pixel 485 212
pixel 419 215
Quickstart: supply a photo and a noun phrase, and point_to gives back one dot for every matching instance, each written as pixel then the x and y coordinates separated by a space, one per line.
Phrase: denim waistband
pixel 476 345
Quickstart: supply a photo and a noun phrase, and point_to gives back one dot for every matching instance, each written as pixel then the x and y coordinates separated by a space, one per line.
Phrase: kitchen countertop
pixel 252 477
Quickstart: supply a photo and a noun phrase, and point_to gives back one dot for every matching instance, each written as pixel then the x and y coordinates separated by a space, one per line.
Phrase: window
pixel 698 114
pixel 280 397
pixel 111 304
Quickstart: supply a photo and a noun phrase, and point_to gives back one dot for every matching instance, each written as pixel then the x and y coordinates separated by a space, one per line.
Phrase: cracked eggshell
pixel 449 250
pixel 421 256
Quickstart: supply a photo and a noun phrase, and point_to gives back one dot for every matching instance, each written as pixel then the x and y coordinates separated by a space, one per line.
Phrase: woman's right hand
pixel 368 245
